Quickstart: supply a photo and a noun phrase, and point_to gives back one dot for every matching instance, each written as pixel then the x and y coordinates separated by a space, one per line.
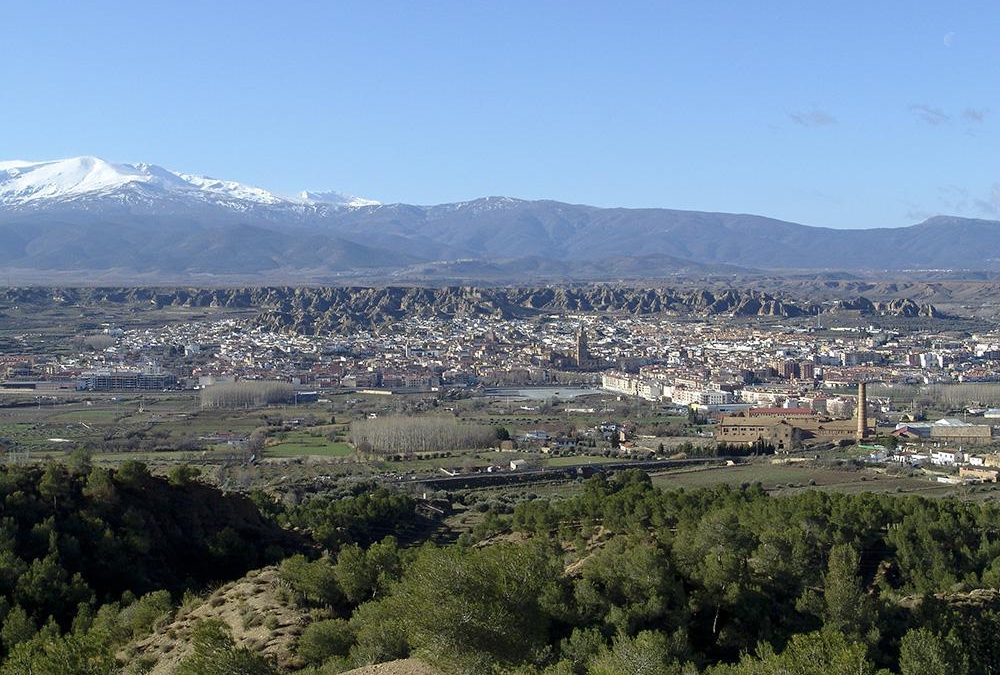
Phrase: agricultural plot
pixel 307 443
pixel 573 460
pixel 113 423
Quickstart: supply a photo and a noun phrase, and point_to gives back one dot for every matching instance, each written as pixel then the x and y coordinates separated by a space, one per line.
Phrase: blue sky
pixel 847 114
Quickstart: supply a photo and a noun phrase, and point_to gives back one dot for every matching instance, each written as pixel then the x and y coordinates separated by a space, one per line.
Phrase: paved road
pixel 570 472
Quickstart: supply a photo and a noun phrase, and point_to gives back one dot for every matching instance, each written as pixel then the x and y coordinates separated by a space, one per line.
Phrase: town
pixel 931 394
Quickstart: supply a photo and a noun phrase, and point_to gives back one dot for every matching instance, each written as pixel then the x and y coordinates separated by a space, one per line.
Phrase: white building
pixel 908 458
pixel 620 383
pixel 947 457
pixel 702 396
pixel 651 390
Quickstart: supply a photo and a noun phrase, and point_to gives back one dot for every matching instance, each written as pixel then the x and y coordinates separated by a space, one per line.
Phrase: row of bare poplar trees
pixel 246 394
pixel 401 435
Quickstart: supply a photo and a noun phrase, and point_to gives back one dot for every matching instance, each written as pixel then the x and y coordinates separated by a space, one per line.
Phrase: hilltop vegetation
pixel 628 578
pixel 80 544
pixel 623 577
pixel 92 561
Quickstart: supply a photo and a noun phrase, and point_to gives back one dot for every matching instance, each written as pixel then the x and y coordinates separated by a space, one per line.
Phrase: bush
pixel 322 640
pixel 146 613
pixel 215 653
pixel 379 634
pixel 183 474
pixel 314 582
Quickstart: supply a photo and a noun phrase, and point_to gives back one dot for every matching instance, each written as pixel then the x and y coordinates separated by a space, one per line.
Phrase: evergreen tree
pixel 924 652
pixel 848 610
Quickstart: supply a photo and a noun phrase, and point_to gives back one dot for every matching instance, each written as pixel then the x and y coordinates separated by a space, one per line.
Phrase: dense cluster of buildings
pixel 721 367
pixel 973 465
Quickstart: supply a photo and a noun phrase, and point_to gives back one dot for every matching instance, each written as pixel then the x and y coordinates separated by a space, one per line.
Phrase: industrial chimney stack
pixel 862 412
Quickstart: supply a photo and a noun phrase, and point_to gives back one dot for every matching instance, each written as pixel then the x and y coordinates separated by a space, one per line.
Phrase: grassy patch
pixel 303 443
pixel 571 460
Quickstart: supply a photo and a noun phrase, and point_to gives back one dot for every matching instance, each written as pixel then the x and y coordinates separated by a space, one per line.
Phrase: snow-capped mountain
pixel 86 218
pixel 90 181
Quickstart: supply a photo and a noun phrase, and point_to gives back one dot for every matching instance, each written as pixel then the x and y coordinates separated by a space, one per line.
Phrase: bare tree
pixel 246 394
pixel 402 435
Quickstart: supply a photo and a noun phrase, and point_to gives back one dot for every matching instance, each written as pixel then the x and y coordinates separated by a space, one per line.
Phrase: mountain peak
pixel 946 220
pixel 484 204
pixel 26 184
pixel 335 198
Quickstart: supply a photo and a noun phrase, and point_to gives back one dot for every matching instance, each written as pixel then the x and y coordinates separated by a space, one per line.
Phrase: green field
pixel 305 443
pixel 572 460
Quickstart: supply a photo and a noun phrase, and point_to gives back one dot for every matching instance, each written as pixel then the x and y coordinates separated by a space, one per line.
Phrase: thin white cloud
pixel 918 215
pixel 975 115
pixel 813 118
pixel 991 204
pixel 954 198
pixel 929 114
pixel 949 38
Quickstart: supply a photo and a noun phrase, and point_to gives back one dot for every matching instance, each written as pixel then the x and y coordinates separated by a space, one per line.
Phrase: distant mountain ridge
pixel 84 216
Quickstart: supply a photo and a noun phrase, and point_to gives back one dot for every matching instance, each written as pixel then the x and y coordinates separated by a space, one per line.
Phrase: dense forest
pixel 627 578
pixel 621 578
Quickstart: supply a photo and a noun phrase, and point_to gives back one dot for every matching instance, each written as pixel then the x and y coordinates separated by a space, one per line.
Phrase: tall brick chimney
pixel 862 412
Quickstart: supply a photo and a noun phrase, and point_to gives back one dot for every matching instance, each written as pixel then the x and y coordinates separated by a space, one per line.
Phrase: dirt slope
pixel 261 615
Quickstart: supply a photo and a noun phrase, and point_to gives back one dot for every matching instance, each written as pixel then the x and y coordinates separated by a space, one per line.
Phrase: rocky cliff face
pixel 330 309
pixel 904 307
pixel 322 309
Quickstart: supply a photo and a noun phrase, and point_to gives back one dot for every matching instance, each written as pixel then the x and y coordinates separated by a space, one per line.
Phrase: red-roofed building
pixel 780 412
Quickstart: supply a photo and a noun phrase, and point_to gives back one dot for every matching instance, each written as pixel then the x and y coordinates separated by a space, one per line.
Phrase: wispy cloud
pixel 813 118
pixel 917 215
pixel 949 38
pixel 990 205
pixel 930 115
pixel 954 198
pixel 975 115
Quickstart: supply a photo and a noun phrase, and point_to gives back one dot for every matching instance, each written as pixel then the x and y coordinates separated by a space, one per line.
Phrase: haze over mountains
pixel 85 218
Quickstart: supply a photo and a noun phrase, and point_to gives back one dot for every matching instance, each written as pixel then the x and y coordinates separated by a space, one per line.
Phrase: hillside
pixel 258 614
pixel 719 581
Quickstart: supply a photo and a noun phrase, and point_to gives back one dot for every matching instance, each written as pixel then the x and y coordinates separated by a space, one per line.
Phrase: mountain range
pixel 86 219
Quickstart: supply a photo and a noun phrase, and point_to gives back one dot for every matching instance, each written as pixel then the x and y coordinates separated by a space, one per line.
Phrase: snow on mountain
pixel 32 182
pixel 89 179
pixel 232 189
pixel 483 205
pixel 336 199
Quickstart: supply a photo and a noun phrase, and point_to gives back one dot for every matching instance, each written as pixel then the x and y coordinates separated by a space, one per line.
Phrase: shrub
pixel 324 639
